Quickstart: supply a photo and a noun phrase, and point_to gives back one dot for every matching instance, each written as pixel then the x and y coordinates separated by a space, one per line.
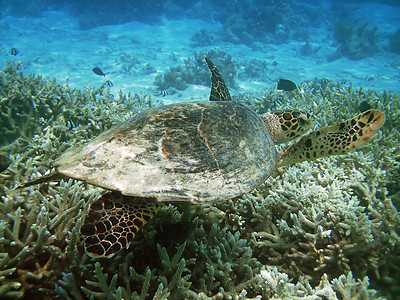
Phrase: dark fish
pixel 108 83
pixel 324 81
pixel 275 63
pixel 4 163
pixel 98 71
pixel 364 106
pixel 286 85
pixel 14 51
pixel 70 124
pixel 163 93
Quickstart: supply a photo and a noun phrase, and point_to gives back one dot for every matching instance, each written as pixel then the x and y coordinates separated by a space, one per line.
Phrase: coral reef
pixel 308 50
pixel 28 103
pixel 269 21
pixel 255 68
pixel 356 41
pixel 395 42
pixel 356 237
pixel 245 23
pixel 194 71
pixel 331 233
pixel 203 37
pixel 32 106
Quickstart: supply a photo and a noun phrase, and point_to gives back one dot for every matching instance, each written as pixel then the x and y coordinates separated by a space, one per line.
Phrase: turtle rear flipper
pixel 55 176
pixel 113 221
pixel 334 140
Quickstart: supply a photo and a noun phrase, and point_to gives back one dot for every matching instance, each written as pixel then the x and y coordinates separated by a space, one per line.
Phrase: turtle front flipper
pixel 219 90
pixel 113 221
pixel 334 140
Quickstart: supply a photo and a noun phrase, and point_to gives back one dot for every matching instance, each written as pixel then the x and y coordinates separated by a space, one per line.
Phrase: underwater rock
pixel 308 50
pixel 235 31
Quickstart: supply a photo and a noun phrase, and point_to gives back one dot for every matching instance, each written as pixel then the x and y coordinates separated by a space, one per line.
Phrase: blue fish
pixel 98 71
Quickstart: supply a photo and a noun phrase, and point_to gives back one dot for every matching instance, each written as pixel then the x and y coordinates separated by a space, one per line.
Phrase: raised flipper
pixel 219 90
pixel 113 221
pixel 334 140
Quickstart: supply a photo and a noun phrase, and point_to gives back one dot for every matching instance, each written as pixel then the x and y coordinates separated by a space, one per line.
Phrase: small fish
pixel 4 163
pixel 14 51
pixel 70 124
pixel 286 85
pixel 364 106
pixel 98 71
pixel 324 81
pixel 163 93
pixel 275 63
pixel 109 83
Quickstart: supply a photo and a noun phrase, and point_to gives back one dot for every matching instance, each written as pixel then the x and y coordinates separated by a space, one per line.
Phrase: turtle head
pixel 286 125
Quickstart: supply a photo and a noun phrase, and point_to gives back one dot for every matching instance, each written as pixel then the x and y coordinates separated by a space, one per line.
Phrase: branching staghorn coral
pixel 23 100
pixel 40 227
pixel 40 234
pixel 314 222
pixel 278 286
pixel 365 211
pixel 32 101
pixel 321 221
pixel 226 262
pixel 48 110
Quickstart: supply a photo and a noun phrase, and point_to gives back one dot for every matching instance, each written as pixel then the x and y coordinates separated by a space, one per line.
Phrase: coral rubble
pixel 330 233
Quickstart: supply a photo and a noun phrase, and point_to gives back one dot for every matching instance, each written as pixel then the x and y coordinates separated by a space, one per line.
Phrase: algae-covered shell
pixel 198 152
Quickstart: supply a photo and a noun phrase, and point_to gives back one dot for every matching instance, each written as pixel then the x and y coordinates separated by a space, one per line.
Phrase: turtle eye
pixel 296 114
pixel 287 116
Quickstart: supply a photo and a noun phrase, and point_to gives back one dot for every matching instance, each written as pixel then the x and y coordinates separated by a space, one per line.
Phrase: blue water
pixel 340 40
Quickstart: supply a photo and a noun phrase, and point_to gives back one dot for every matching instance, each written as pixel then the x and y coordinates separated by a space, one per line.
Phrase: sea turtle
pixel 195 152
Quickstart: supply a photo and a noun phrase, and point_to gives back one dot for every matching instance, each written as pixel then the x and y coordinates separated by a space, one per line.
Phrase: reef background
pixel 327 229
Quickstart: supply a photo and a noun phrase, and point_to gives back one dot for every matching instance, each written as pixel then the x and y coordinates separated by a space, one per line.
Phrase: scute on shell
pixel 196 151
